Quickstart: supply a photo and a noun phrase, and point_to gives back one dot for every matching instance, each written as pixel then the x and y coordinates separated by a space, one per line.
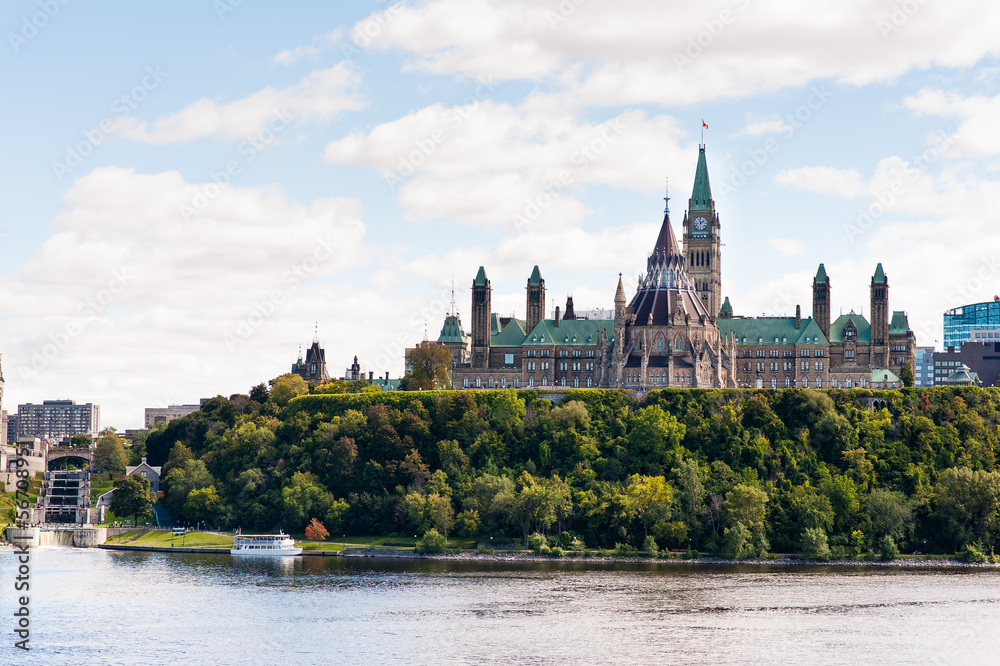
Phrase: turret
pixel 535 302
pixel 821 301
pixel 481 307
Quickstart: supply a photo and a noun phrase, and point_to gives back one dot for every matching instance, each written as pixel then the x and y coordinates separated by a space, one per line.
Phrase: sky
pixel 191 190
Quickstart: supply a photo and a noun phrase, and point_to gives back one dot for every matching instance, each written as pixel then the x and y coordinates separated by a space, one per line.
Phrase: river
pixel 93 606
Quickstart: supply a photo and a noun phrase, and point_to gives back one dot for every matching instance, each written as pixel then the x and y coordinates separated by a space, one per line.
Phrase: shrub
pixel 624 550
pixel 538 543
pixel 432 542
pixel 814 544
pixel 736 542
pixel 556 552
pixel 467 523
pixel 649 547
pixel 887 549
pixel 974 553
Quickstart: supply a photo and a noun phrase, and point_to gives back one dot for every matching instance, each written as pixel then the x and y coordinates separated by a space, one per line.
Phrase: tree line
pixel 739 473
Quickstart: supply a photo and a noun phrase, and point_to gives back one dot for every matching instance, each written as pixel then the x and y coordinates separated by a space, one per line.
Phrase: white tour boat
pixel 264 544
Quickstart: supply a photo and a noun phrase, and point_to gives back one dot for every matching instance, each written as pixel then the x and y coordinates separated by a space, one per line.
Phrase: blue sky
pixel 190 187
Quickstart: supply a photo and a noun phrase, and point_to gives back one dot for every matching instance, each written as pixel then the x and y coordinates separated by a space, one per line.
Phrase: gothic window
pixel 788 382
pixel 545 381
pixel 659 342
pixel 465 382
pixel 705 286
pixel 503 382
pixel 677 378
pixel 531 381
pixel 819 382
pixel 491 382
pixel 564 381
pixel 834 383
pixel 849 383
pixel 805 382
pixel 589 382
pixel 576 382
pixel 517 383
pixel 774 382
pixel 479 383
pixel 679 343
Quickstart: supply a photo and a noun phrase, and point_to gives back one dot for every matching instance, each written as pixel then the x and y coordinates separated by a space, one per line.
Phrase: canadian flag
pixel 704 124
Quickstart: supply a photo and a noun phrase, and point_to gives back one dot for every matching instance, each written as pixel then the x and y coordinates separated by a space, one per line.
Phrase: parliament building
pixel 678 331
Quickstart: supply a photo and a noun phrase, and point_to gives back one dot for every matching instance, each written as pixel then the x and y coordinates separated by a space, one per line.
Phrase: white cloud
pixel 216 303
pixel 319 96
pixel 977 135
pixel 788 247
pixel 494 164
pixel 825 180
pixel 291 56
pixel 639 51
pixel 761 127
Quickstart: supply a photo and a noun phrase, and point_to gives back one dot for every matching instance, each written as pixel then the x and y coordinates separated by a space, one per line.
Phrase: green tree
pixel 968 503
pixel 431 367
pixel 81 441
pixel 906 375
pixel 890 514
pixel 203 504
pixel 109 454
pixel 132 497
pixel 286 387
pixel 655 434
pixel 648 499
pixel 304 497
pixel 814 545
pixel 180 482
pixel 746 506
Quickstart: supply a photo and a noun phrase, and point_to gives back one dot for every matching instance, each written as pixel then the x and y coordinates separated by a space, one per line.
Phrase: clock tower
pixel 702 241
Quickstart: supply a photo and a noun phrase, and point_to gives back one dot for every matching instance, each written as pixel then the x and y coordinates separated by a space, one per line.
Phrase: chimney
pixel 371 375
pixel 387 376
pixel 798 317
pixel 557 316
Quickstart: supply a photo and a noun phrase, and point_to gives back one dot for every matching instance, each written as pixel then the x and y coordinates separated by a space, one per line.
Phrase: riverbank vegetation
pixel 832 473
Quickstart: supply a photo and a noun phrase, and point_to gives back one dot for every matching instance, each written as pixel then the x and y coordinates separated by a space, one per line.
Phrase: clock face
pixel 700 223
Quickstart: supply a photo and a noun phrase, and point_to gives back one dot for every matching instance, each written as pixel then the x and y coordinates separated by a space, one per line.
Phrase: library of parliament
pixel 678 331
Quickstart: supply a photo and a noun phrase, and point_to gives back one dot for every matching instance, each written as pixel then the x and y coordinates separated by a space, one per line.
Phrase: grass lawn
pixel 166 539
pixel 98 489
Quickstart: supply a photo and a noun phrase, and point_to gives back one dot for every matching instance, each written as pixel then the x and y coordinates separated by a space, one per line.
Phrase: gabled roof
pixel 864 328
pixel 821 275
pixel 452 330
pixel 764 330
pixel 512 335
pixel 880 375
pixel 480 280
pixel 701 193
pixel 495 324
pixel 879 277
pixel 572 332
pixel 899 325
pixel 536 276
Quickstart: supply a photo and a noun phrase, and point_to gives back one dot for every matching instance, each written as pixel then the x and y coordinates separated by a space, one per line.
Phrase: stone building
pixel 678 331
pixel 313 368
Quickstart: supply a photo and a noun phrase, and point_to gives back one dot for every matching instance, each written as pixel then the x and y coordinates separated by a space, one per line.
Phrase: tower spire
pixel 701 193
pixel 666 197
pixel 453 309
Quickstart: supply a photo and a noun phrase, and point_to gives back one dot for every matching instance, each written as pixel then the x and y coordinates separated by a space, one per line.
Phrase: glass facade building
pixel 960 324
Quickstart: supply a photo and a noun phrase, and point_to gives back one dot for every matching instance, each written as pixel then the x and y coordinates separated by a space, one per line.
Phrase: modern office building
pixel 982 358
pixel 972 323
pixel 57 419
pixel 156 415
pixel 923 367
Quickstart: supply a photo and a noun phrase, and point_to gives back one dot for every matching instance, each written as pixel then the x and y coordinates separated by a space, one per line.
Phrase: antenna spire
pixel 453 308
pixel 666 198
pixel 316 333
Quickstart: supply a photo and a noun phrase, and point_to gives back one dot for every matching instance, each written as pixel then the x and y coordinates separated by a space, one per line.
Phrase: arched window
pixel 491 382
pixel 576 382
pixel 774 382
pixel 564 381
pixel 659 342
pixel 479 383
pixel 819 382
pixel 531 381
pixel 805 382
pixel 503 382
pixel 465 382
pixel 517 383
pixel 848 383
pixel 545 381
pixel 788 382
pixel 677 378
pixel 679 343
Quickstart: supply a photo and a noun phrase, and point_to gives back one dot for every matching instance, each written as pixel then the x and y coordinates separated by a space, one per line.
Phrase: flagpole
pixel 703 131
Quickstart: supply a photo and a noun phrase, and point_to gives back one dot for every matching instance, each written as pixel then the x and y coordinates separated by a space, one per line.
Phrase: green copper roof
pixel 512 335
pixel 494 323
pixel 536 276
pixel 899 325
pixel 727 310
pixel 452 330
pixel 879 277
pixel 860 323
pixel 480 278
pixel 765 330
pixel 701 195
pixel 880 376
pixel 821 275
pixel 570 332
